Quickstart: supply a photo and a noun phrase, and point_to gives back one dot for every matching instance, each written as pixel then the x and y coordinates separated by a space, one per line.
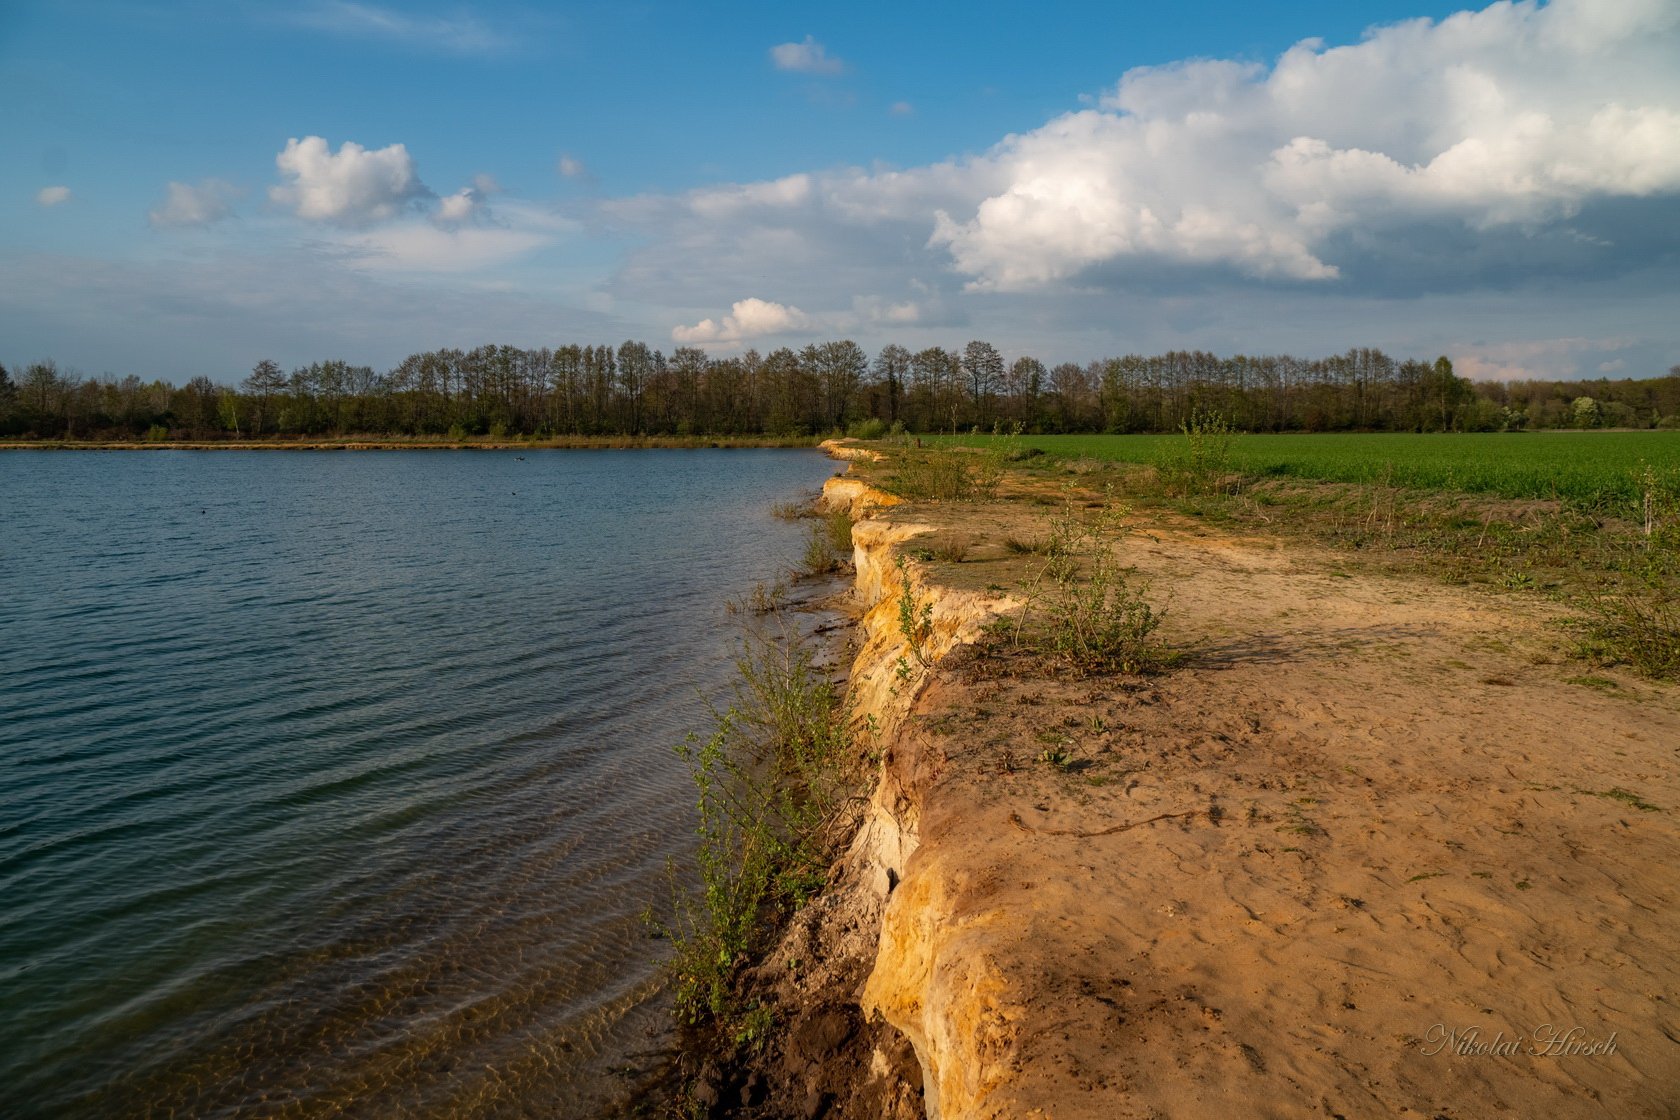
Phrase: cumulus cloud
pixel 1516 115
pixel 806 57
pixel 52 196
pixel 467 203
pixel 185 206
pixel 1490 148
pixel 570 167
pixel 354 186
pixel 748 318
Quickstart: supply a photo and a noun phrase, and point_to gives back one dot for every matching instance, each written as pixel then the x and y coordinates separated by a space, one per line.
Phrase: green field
pixel 1597 470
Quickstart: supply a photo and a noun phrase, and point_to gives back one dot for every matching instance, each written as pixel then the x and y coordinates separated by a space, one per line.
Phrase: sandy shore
pixel 1376 849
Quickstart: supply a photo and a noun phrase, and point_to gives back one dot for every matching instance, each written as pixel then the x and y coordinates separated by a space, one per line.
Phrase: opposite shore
pixel 383 443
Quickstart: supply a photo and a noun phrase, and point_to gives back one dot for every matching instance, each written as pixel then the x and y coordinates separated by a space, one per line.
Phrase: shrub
pixel 935 474
pixel 1093 617
pixel 839 528
pixel 1641 631
pixel 867 429
pixel 1201 462
pixel 772 798
pixel 953 547
pixel 819 558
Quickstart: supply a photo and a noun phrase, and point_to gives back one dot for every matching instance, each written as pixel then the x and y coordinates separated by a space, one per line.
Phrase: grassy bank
pixel 1590 520
pixel 1589 469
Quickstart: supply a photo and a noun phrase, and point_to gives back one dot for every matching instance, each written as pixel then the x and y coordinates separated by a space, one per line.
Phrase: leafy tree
pixel 1586 412
pixel 262 387
pixel 892 367
pixel 984 367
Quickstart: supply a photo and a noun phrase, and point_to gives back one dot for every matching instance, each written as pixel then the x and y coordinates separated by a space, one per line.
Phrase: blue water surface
pixel 337 783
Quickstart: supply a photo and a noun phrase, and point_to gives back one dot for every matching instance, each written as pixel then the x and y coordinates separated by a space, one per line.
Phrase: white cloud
pixel 1517 115
pixel 457 207
pixel 570 167
pixel 185 206
pixel 1537 359
pixel 467 203
pixel 355 186
pixel 422 247
pixel 807 57
pixel 1411 158
pixel 457 35
pixel 748 318
pixel 901 109
pixel 52 196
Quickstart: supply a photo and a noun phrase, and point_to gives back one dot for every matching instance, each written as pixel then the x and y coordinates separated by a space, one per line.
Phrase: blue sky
pixel 189 188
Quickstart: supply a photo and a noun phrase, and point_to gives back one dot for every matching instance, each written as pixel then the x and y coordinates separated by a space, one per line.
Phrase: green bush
pixel 1091 615
pixel 771 778
pixel 1200 462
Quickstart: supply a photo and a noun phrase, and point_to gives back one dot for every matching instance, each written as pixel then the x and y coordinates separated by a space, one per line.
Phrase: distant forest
pixel 505 391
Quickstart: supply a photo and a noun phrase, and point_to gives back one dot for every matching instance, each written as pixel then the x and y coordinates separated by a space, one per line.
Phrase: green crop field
pixel 1599 470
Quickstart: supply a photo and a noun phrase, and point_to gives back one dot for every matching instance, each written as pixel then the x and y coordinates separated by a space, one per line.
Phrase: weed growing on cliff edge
pixel 915 621
pixel 772 800
pixel 839 524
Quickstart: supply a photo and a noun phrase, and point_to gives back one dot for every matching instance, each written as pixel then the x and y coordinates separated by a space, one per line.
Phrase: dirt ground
pixel 1375 848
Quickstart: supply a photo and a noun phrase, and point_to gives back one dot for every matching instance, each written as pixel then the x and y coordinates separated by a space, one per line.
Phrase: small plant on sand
pixel 772 799
pixel 952 547
pixel 1091 615
pixel 1201 462
pixel 1639 629
pixel 948 474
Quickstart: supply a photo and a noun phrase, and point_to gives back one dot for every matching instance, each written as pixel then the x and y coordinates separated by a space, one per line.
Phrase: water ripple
pixel 337 783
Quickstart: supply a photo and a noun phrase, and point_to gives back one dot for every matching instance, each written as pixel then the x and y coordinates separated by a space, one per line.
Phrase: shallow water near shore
pixel 337 784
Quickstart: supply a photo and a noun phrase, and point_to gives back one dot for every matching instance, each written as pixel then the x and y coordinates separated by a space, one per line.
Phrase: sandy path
pixel 1407 835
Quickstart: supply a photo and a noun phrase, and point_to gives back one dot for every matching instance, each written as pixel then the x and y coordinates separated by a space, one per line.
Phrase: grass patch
pixel 1626 797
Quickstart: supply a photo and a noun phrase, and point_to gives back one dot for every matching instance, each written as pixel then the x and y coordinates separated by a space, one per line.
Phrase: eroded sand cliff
pixel 1372 851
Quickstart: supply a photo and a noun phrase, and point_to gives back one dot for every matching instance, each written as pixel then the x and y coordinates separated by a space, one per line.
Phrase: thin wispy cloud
pixel 185 206
pixel 807 57
pixel 52 196
pixel 570 167
pixel 456 34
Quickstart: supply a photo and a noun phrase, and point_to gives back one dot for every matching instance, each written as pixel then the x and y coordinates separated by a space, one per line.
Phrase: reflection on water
pixel 338 782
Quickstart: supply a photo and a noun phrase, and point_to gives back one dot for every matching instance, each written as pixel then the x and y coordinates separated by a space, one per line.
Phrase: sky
pixel 189 188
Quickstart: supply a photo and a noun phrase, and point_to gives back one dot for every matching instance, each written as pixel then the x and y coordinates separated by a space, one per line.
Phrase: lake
pixel 337 783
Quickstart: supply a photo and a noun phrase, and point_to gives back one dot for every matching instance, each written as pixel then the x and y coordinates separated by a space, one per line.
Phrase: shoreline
pixel 576 443
pixel 1364 813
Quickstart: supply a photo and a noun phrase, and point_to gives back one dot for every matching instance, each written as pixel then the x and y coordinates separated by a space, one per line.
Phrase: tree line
pixel 825 387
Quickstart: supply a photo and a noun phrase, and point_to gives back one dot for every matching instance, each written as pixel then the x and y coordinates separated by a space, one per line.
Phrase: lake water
pixel 337 783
